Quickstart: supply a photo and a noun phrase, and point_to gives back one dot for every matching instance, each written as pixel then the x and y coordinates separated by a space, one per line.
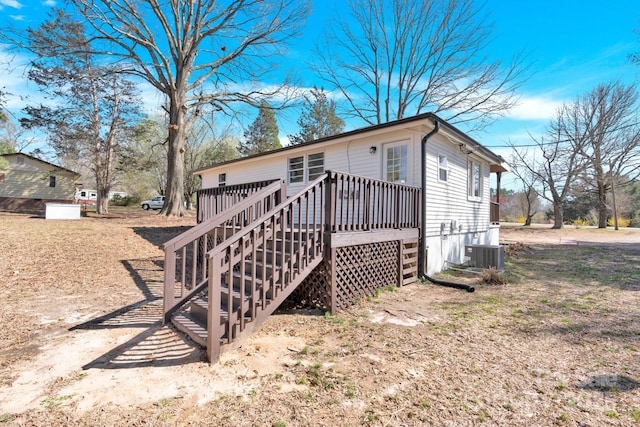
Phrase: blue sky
pixel 573 45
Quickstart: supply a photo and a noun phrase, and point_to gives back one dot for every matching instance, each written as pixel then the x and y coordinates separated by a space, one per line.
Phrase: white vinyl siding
pixel 448 202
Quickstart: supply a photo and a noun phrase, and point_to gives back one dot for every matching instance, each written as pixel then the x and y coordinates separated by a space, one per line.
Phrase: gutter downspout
pixel 422 249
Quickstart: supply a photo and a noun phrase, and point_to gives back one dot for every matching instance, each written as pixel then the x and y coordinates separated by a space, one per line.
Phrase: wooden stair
pixel 193 317
pixel 232 274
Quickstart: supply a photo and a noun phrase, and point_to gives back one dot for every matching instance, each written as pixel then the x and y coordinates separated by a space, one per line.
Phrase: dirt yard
pixel 81 342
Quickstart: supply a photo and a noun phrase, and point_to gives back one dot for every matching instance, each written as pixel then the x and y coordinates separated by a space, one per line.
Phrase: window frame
pixel 305 171
pixel 475 180
pixel 52 181
pixel 442 168
pixel 222 179
pixel 316 174
pixel 403 165
pixel 298 172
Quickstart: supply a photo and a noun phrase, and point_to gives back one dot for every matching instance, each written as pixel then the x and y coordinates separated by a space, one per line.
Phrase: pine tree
pixel 95 109
pixel 319 118
pixel 262 134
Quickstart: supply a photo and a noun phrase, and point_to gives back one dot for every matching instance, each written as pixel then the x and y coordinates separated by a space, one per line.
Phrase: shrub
pixel 580 222
pixel 521 219
pixel 491 276
pixel 622 222
pixel 126 201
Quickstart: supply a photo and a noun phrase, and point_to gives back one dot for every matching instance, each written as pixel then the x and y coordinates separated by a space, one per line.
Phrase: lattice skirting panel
pixel 361 270
pixel 315 290
pixel 358 271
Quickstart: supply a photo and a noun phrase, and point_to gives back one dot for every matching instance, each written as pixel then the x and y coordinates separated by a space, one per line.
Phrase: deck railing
pixel 357 203
pixel 212 201
pixel 185 264
pixel 262 264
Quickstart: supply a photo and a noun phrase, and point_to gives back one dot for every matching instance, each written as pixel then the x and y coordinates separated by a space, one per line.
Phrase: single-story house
pixel 459 210
pixel 328 222
pixel 27 183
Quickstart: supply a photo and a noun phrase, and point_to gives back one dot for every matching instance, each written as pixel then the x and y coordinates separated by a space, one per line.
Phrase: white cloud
pixel 11 3
pixel 534 108
pixel 51 3
pixel 20 18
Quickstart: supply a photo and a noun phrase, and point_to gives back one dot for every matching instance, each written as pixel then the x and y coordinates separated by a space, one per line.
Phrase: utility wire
pixel 559 141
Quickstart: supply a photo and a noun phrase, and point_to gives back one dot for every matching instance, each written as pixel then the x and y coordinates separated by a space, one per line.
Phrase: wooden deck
pixel 336 241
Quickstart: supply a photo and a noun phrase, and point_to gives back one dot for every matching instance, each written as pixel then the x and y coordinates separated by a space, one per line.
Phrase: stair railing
pixel 185 262
pixel 212 201
pixel 258 267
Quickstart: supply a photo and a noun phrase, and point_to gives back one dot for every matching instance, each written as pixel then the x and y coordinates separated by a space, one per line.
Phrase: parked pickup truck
pixel 155 203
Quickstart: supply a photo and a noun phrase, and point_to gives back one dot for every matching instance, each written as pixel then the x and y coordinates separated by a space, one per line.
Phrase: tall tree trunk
pixel 102 203
pixel 527 221
pixel 603 211
pixel 558 214
pixel 173 204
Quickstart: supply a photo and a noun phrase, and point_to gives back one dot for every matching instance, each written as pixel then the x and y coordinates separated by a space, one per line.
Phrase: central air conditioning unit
pixel 486 256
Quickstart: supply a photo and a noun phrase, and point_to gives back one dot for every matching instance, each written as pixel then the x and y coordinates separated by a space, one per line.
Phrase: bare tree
pixel 143 162
pixel 555 164
pixel 205 146
pixel 602 127
pixel 394 58
pixel 194 52
pixel 528 195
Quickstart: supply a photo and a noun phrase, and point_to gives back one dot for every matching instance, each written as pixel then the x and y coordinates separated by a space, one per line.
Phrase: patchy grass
pixel 558 345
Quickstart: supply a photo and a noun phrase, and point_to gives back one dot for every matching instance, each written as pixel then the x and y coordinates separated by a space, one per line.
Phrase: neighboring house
pixel 27 183
pixel 458 175
pixel 90 197
pixel 329 222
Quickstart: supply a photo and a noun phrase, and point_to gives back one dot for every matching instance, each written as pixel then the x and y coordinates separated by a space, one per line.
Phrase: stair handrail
pixel 214 200
pixel 256 202
pixel 232 251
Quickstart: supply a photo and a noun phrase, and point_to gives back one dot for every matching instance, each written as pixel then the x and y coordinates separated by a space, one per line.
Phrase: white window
pixel 296 169
pixel 443 168
pixel 396 163
pixel 475 179
pixel 312 163
pixel 315 165
pixel 222 179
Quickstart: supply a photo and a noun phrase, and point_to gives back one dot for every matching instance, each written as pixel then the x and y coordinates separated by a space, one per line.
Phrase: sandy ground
pixel 83 333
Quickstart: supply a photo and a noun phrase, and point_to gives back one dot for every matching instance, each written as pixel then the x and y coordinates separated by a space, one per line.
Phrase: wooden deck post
pixel 333 281
pixel 169 282
pixel 213 315
pixel 400 264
